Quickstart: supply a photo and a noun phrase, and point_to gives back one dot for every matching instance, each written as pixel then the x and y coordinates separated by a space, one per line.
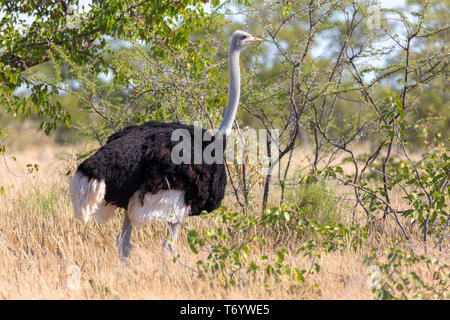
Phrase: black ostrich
pixel 135 170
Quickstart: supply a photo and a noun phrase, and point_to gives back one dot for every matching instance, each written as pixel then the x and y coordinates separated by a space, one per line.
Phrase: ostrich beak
pixel 253 39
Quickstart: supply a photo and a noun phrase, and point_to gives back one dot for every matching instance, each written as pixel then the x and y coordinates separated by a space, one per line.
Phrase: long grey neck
pixel 233 96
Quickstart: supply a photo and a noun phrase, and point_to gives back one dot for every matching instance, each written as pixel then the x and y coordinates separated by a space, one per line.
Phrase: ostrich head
pixel 240 39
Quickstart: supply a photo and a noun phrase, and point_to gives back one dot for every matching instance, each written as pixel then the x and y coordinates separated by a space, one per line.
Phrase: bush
pixel 317 201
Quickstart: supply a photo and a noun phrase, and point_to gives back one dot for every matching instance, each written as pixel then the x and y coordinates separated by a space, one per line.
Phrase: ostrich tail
pixel 87 196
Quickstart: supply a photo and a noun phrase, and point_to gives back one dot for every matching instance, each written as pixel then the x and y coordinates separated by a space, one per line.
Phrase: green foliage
pixel 396 280
pixel 424 186
pixel 230 255
pixel 51 24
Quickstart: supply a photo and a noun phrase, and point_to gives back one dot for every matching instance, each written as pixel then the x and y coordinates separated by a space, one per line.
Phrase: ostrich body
pixel 134 170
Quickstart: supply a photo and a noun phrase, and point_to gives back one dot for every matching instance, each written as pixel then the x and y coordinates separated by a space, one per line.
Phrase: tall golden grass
pixel 41 245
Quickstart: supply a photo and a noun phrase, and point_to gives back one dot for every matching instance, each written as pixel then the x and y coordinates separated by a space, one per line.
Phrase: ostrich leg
pixel 171 238
pixel 123 239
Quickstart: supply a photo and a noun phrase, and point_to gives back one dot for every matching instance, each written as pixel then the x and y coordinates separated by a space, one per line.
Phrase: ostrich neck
pixel 233 96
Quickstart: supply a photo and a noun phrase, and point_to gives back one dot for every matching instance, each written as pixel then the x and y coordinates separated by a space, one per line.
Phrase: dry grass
pixel 40 240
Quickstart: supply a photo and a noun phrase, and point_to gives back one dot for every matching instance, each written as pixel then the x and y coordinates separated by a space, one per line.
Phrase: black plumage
pixel 141 159
pixel 138 158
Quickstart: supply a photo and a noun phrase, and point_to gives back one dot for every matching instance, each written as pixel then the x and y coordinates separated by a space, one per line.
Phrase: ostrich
pixel 134 170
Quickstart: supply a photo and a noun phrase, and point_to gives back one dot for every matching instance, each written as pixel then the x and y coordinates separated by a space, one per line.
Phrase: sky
pixel 384 3
pixel 84 6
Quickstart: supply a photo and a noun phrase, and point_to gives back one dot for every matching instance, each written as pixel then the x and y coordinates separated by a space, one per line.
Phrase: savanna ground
pixel 40 243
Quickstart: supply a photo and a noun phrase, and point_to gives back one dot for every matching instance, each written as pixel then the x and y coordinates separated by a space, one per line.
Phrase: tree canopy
pixel 30 30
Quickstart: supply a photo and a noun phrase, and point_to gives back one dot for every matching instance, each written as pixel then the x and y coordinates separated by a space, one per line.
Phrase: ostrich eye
pixel 244 37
